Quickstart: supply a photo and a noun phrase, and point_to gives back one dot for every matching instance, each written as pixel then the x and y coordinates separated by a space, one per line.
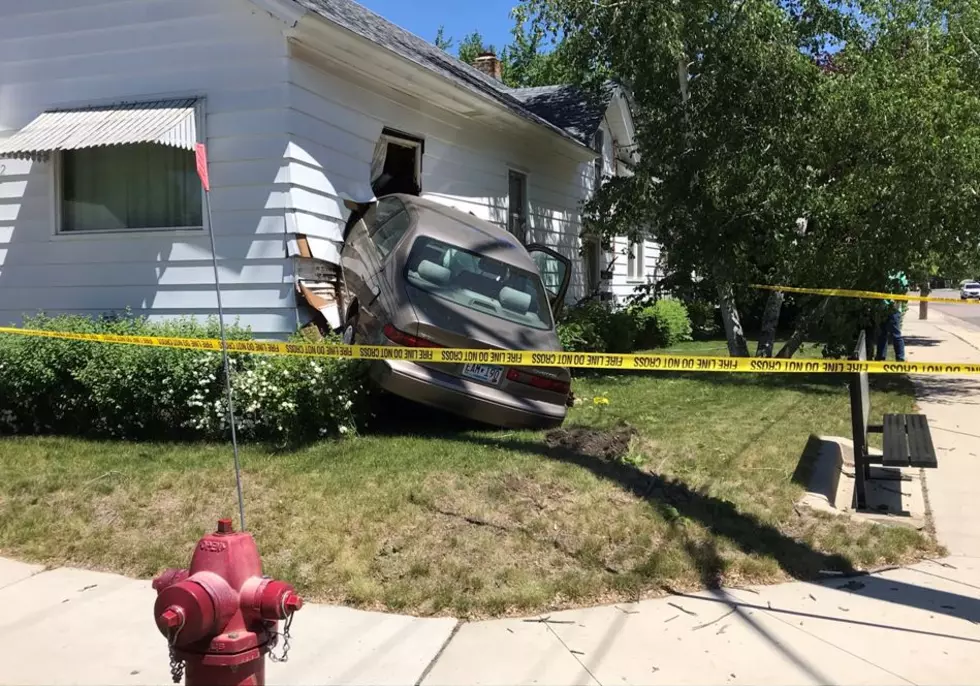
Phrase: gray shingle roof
pixel 377 29
pixel 575 110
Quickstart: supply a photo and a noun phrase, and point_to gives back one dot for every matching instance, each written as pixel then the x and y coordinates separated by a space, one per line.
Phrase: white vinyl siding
pixel 335 122
pixel 59 54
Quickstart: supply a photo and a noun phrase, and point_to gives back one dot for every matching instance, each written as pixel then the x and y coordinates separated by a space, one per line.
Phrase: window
pixel 517 204
pixel 599 164
pixel 634 262
pixel 593 264
pixel 478 283
pixel 144 186
pixel 391 221
pixel 397 164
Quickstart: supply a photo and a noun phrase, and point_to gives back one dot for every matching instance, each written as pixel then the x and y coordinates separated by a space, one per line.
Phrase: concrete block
pixel 12 571
pixel 917 628
pixel 88 628
pixel 339 645
pixel 507 651
pixel 704 639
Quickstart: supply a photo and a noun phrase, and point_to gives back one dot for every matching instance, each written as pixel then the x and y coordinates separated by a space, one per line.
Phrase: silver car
pixel 417 273
pixel 970 289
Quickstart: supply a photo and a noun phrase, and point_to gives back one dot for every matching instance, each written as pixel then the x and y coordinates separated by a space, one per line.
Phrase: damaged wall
pixel 335 119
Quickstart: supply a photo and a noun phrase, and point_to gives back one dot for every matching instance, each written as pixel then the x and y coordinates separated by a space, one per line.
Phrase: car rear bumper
pixel 475 401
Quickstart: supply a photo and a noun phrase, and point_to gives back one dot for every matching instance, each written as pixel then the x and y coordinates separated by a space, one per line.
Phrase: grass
pixel 430 517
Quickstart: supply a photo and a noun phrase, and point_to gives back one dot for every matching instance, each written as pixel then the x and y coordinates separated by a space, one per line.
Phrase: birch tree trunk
pixel 770 320
pixel 799 332
pixel 737 347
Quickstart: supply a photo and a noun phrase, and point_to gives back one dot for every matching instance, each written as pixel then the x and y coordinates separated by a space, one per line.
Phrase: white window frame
pixel 393 137
pixel 593 277
pixel 636 261
pixel 599 164
pixel 56 180
pixel 527 202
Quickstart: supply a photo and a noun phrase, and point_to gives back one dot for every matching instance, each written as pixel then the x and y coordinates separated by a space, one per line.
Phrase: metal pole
pixel 224 354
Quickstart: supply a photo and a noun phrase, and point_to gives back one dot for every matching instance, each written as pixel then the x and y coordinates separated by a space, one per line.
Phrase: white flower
pixel 342 429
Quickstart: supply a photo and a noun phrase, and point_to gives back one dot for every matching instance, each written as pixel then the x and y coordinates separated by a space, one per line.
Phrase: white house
pixel 302 104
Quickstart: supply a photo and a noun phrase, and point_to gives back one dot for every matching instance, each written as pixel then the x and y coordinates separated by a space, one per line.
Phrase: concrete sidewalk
pixel 952 405
pixel 916 625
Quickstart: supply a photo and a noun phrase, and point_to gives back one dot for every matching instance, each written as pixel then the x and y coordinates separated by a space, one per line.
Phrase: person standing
pixel 892 325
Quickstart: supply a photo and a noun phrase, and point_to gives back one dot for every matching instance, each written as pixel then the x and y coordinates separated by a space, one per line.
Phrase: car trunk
pixel 454 327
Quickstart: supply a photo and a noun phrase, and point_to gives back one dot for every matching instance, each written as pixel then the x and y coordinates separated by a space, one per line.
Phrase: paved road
pixel 969 314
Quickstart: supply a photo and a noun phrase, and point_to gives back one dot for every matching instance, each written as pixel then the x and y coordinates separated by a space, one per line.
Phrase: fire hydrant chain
pixel 285 641
pixel 176 664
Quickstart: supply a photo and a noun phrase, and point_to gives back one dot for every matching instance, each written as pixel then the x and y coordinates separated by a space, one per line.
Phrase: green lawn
pixel 677 483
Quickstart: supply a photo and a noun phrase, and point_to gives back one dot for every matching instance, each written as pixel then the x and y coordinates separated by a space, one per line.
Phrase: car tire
pixel 349 335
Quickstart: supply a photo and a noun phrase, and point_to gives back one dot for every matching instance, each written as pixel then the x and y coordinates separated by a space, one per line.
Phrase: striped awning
pixel 165 122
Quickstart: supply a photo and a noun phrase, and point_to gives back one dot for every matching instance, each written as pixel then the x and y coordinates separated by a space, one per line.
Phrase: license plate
pixel 483 372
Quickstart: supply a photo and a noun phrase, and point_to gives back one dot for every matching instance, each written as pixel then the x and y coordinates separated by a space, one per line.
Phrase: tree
pixel 442 42
pixel 532 59
pixel 763 159
pixel 472 46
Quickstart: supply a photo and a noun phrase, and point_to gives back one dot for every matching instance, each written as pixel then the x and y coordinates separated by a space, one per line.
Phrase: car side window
pixel 380 212
pixel 390 224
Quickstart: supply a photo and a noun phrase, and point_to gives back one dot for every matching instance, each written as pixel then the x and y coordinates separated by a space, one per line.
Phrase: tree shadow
pixel 947 390
pixel 921 341
pixel 672 497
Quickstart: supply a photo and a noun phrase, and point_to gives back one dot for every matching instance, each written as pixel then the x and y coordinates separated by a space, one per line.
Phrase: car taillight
pixel 407 340
pixel 537 381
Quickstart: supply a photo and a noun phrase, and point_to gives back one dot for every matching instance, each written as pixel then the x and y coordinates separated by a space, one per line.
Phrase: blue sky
pixel 460 17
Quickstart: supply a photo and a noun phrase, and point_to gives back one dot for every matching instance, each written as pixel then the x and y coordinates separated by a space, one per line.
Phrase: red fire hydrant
pixel 220 616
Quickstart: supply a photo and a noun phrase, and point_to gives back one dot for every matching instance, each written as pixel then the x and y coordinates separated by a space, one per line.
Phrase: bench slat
pixel 921 451
pixel 896 444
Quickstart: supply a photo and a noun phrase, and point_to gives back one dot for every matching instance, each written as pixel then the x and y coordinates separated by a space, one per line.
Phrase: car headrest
pixel 515 300
pixel 434 273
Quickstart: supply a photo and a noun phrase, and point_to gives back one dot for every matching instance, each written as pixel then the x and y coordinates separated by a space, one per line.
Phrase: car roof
pixel 467 231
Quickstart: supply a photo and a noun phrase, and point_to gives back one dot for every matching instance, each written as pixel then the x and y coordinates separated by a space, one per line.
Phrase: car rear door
pixel 365 247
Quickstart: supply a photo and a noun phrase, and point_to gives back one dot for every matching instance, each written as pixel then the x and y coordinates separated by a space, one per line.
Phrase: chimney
pixel 488 63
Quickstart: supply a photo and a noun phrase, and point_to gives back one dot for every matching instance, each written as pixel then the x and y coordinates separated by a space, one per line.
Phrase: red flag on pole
pixel 202 165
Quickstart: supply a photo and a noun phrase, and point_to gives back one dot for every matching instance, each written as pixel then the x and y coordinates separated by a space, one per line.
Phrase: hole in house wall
pixel 397 164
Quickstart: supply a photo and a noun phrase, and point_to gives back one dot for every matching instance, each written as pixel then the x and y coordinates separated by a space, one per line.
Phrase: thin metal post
pixel 224 354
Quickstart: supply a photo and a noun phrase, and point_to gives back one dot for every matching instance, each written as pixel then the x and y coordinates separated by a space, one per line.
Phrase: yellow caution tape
pixel 528 358
pixel 846 293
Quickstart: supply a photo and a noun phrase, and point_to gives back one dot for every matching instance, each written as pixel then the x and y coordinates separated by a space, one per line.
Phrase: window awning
pixel 165 122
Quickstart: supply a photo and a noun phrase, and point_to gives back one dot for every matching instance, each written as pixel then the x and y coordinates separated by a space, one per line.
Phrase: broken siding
pixel 59 53
pixel 334 123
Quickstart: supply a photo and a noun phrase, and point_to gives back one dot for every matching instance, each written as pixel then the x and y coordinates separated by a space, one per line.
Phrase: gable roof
pixel 573 109
pixel 557 110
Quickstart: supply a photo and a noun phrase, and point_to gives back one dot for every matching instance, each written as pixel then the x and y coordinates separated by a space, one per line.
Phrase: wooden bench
pixel 907 441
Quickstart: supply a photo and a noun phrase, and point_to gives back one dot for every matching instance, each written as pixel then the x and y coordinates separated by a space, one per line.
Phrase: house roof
pixel 557 110
pixel 573 109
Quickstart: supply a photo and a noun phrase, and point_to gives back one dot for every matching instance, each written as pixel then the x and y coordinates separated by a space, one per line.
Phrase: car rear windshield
pixel 478 283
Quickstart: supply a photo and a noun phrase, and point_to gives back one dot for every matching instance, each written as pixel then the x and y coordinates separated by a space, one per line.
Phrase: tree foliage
pixel 807 142
pixel 532 58
pixel 442 41
pixel 472 46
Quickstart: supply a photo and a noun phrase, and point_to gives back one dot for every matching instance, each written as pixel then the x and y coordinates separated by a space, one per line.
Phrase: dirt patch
pixel 607 445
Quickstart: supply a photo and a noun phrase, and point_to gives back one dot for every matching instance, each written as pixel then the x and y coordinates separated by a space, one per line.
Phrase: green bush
pixel 663 324
pixel 597 327
pixel 104 390
pixel 704 319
